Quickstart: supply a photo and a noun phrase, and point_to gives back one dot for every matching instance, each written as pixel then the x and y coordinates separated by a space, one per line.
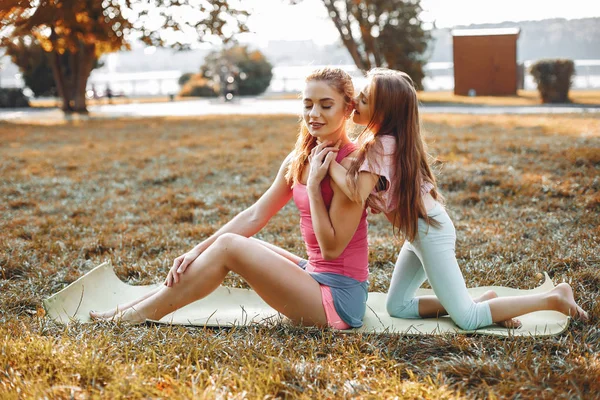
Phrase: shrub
pixel 13 97
pixel 250 69
pixel 553 79
pixel 258 73
pixel 197 86
pixel 184 78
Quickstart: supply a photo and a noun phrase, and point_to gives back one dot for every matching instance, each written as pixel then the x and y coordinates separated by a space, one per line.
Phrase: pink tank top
pixel 354 260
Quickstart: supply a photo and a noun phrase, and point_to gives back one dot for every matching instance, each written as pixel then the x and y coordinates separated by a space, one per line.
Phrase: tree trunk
pixel 59 79
pixel 371 48
pixel 84 60
pixel 59 75
pixel 347 37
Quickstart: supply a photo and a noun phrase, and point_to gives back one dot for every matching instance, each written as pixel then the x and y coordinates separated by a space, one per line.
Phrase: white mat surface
pixel 101 289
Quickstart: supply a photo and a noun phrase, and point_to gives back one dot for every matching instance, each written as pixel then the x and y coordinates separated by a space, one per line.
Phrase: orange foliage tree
pixel 82 30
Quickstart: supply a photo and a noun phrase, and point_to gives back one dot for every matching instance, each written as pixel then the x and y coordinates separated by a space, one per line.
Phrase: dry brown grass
pixel 523 98
pixel 524 193
pixel 51 103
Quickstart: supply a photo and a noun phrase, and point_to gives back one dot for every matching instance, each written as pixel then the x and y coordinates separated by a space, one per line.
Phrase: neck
pixel 334 137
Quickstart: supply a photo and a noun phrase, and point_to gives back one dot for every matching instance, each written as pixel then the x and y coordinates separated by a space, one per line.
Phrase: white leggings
pixel 432 256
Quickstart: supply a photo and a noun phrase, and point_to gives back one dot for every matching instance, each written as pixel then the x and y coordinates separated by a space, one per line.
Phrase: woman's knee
pixel 228 244
pixel 227 241
pixel 402 309
pixel 477 315
pixel 466 324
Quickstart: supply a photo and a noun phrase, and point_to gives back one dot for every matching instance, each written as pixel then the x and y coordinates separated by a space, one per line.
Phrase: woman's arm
pixel 334 228
pixel 338 173
pixel 246 223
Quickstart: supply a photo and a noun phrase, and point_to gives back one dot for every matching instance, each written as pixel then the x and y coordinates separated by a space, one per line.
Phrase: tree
pixel 33 62
pixel 76 33
pixel 382 33
pixel 35 66
pixel 251 71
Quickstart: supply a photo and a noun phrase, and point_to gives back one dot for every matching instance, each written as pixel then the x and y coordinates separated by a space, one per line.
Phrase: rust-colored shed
pixel 485 61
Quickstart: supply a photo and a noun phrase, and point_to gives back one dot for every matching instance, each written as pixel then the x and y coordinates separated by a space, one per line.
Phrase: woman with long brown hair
pixel 393 153
pixel 330 288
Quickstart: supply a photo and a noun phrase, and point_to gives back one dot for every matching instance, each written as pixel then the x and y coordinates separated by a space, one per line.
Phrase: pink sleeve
pixel 382 159
pixel 382 156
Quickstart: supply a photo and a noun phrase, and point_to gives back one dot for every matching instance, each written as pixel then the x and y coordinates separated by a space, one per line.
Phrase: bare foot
pixel 97 315
pixel 490 294
pixel 561 299
pixel 122 307
pixel 129 315
pixel 512 323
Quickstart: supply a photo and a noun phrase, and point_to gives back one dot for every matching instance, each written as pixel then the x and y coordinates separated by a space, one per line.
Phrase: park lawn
pixel 523 192
pixel 523 98
pixel 53 103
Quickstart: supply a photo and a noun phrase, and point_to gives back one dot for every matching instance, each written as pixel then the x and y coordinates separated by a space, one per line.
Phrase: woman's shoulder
pixel 382 148
pixel 386 138
pixel 350 158
pixel 387 143
pixel 289 158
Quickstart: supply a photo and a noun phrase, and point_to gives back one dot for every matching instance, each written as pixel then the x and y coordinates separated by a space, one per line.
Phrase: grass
pixel 523 98
pixel 52 103
pixel 523 192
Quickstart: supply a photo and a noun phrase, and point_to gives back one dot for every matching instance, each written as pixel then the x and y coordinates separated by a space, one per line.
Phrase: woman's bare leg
pixel 122 307
pixel 433 257
pixel 430 307
pixel 284 286
pixel 409 274
pixel 558 299
pixel 290 256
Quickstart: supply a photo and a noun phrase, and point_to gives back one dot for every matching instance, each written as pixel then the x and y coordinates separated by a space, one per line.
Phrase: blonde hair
pixel 393 99
pixel 339 80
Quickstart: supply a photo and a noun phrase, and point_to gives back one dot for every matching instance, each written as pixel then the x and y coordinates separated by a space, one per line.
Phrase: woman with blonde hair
pixel 330 288
pixel 392 154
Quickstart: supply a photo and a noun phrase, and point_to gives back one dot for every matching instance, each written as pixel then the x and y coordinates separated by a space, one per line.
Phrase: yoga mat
pixel 100 289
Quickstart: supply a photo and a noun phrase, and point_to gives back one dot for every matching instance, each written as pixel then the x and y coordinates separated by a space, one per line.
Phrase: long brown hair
pixel 393 99
pixel 339 80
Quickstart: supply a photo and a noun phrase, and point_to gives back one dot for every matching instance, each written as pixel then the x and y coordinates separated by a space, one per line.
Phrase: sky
pixel 276 19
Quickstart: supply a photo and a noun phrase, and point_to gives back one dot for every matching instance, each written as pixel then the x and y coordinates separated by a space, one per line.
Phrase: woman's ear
pixel 349 109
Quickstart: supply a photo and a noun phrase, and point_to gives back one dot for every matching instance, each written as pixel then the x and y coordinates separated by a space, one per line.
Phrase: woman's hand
pixel 320 158
pixel 180 264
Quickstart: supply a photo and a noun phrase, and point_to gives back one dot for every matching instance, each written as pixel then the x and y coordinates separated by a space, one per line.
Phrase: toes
pixel 581 314
pixel 517 323
pixel 511 323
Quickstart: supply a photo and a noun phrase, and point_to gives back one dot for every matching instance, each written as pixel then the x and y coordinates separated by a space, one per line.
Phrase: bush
pixel 258 74
pixel 197 86
pixel 250 69
pixel 12 98
pixel 184 78
pixel 553 79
